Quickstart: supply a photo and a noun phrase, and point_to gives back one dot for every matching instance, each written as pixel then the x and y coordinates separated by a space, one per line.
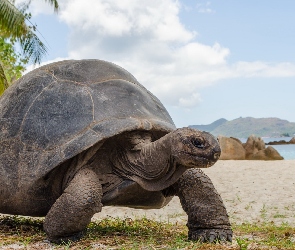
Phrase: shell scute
pixel 58 113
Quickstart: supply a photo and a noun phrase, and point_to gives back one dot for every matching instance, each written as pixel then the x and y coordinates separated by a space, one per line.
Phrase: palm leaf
pixel 33 47
pixel 12 21
pixel 53 3
pixel 12 24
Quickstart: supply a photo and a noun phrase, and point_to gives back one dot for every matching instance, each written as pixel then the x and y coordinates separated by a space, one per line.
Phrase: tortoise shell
pixel 59 110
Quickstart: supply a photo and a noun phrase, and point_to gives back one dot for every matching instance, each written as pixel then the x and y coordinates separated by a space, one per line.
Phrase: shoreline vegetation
pixel 259 197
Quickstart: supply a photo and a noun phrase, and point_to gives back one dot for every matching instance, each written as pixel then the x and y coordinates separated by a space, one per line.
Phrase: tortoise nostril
pixel 216 156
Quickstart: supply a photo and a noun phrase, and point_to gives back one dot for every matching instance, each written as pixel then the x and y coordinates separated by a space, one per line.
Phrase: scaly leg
pixel 72 211
pixel 207 216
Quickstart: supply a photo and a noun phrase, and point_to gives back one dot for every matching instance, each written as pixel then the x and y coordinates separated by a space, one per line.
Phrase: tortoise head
pixel 194 149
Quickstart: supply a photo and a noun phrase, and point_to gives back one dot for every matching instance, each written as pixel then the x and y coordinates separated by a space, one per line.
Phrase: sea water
pixel 286 150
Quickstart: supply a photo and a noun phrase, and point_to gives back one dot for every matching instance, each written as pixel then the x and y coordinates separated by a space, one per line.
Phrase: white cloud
pixel 147 38
pixel 205 8
pixel 37 7
pixel 193 100
pixel 111 18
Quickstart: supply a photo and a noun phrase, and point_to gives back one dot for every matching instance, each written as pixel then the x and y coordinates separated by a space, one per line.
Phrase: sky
pixel 204 60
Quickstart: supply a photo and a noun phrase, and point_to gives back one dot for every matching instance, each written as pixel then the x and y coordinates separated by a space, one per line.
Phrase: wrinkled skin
pixel 207 217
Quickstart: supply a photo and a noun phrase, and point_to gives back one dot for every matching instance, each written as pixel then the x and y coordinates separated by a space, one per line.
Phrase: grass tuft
pixel 115 233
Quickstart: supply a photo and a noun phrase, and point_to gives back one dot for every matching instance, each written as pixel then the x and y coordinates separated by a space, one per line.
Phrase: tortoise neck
pixel 152 167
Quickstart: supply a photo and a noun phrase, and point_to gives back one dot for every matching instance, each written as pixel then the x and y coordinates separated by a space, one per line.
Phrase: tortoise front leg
pixel 207 216
pixel 72 211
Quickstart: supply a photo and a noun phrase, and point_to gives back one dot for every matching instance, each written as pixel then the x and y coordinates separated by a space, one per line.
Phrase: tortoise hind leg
pixel 72 211
pixel 207 216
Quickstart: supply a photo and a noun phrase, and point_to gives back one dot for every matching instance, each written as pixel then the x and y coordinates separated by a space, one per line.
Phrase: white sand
pixel 251 190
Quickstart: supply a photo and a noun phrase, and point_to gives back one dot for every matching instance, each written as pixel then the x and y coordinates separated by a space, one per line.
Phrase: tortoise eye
pixel 198 142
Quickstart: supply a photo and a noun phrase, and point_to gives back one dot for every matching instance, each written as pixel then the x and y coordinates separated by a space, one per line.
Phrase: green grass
pixel 143 234
pixel 266 234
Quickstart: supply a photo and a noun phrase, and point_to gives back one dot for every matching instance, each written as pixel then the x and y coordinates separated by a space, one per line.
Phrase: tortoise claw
pixel 223 236
pixel 212 238
pixel 210 235
pixel 201 239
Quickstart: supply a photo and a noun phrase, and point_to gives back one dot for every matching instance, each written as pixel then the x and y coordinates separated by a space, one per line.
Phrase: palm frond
pixel 33 47
pixel 53 3
pixel 12 21
pixel 12 24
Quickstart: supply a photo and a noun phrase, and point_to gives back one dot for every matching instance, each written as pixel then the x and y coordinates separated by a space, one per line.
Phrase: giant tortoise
pixel 78 135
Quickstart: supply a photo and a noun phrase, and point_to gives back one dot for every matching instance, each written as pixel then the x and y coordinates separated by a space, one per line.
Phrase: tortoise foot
pixel 210 235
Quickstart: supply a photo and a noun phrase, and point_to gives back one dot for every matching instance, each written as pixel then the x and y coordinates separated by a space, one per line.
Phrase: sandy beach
pixel 253 191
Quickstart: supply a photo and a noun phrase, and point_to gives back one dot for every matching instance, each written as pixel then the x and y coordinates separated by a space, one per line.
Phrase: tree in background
pixel 15 27
pixel 12 64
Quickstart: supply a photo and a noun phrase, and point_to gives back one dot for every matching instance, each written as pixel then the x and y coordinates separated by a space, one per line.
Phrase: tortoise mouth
pixel 201 161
